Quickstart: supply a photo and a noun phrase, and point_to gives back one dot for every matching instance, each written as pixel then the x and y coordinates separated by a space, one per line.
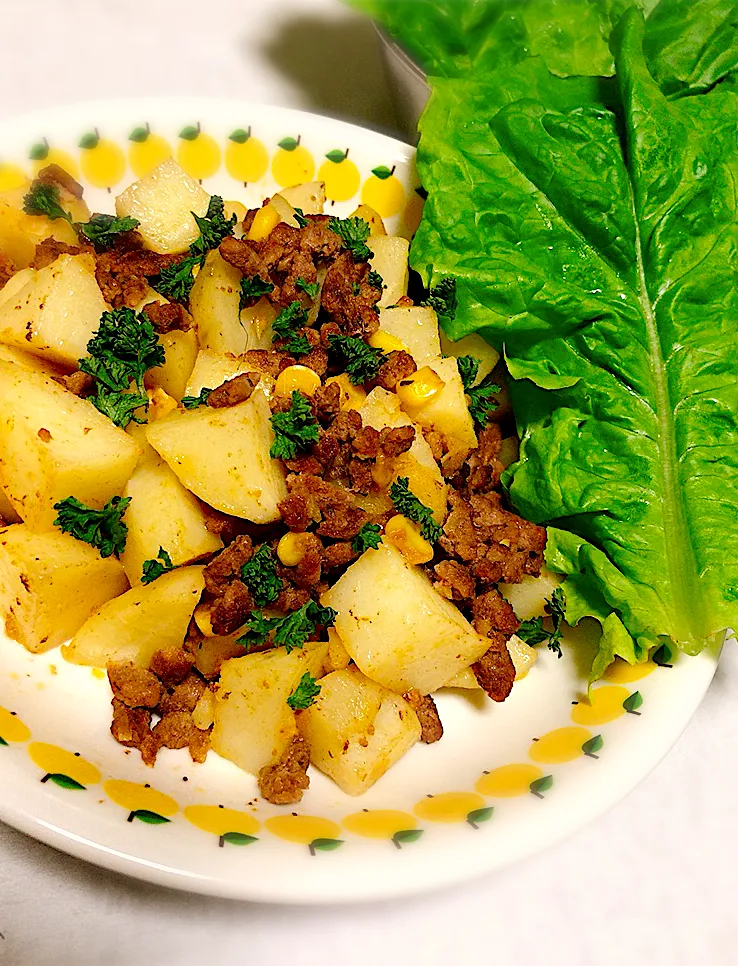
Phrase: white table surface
pixel 653 882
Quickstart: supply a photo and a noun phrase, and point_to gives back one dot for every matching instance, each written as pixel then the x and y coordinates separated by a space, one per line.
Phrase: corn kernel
pixel 291 548
pixel 405 535
pixel 386 342
pixel 265 220
pixel 202 619
pixel 160 404
pixel 351 396
pixel 297 378
pixel 383 471
pixel 419 389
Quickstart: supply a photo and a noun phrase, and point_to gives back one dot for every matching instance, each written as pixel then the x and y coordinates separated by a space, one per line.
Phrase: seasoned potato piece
pixel 372 218
pixel 416 327
pixel 50 583
pixel 7 511
pixel 389 258
pixel 180 353
pixel 57 312
pixel 472 345
pixel 253 722
pixel 162 513
pixel 399 631
pixel 357 729
pixel 20 233
pixel 337 657
pixel 528 598
pixel 222 456
pixel 15 283
pixel 163 203
pixel 212 369
pixel 522 655
pixel 141 621
pixel 211 652
pixel 308 197
pixel 10 353
pixel 54 445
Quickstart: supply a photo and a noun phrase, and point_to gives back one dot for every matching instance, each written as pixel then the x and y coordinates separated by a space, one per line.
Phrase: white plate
pixel 505 781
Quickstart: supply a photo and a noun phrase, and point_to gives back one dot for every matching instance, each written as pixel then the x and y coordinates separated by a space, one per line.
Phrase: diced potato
pixel 253 722
pixel 214 305
pixel 50 583
pixel 143 620
pixel 54 445
pixel 447 413
pixel 203 714
pixel 21 233
pixel 308 197
pixel 8 512
pixel 372 218
pixel 31 363
pixel 389 258
pixel 137 432
pixel 256 321
pixel 357 729
pixel 337 657
pixel 285 211
pixel 222 456
pixel 211 652
pixel 416 327
pixel 57 312
pixel 15 283
pixel 163 203
pixel 522 655
pixel 397 628
pixel 472 345
pixel 212 369
pixel 528 598
pixel 180 353
pixel 162 513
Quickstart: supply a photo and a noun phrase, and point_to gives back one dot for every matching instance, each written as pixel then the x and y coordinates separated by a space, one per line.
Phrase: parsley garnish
pixel 468 369
pixel 368 538
pixel 482 402
pixel 361 361
pixel 289 319
pixel 442 298
pixel 309 288
pixel 214 227
pixel 119 407
pixel 353 232
pixel 409 506
pixel 533 632
pixel 103 230
pixel 300 218
pixel 289 632
pixel 375 279
pixel 192 402
pixel 355 288
pixel 103 529
pixel 294 429
pixel 152 569
pixel 43 199
pixel 260 576
pixel 253 288
pixel 304 694
pixel 297 345
pixel 176 281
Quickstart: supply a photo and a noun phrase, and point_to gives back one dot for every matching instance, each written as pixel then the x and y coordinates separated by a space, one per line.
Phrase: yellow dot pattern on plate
pixel 560 745
pixel 246 160
pixel 199 156
pixel 384 195
pixel 605 704
pixel 53 760
pixel 620 672
pixel 103 164
pixel 508 781
pixel 146 154
pixel 342 179
pixel 302 829
pixel 292 166
pixel 11 176
pixel 448 806
pixel 220 821
pixel 12 728
pixel 379 823
pixel 134 797
pixel 56 156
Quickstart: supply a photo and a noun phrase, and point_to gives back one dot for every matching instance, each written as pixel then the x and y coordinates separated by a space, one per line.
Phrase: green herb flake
pixel 295 429
pixel 304 694
pixel 443 300
pixel 260 576
pixel 104 230
pixel 353 232
pixel 361 361
pixel 368 538
pixel 309 288
pixel 533 632
pixel 213 226
pixel 406 503
pixel 192 402
pixel 289 632
pixel 175 282
pixel 254 288
pixel 290 318
pixel 300 218
pixel 43 199
pixel 375 280
pixel 152 569
pixel 122 350
pixel 103 529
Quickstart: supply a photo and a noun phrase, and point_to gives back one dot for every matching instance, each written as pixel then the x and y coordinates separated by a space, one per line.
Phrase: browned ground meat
pixel 233 391
pixel 168 317
pixel 7 269
pixel 171 665
pixel 307 573
pixel 199 744
pixel 348 298
pixel 123 276
pixel 327 402
pixel 240 253
pixel 261 360
pixel 495 672
pixel 227 527
pixel 174 730
pixel 130 726
pixel 454 580
pixel 397 366
pixel 332 507
pixel 50 249
pixel 134 686
pixel 284 782
pixel 395 442
pixel 483 467
pixel 437 443
pixel 230 610
pixel 494 617
pixel 291 599
pixel 431 729
pixel 184 696
pixel 338 555
pixel 227 565
pixel 80 383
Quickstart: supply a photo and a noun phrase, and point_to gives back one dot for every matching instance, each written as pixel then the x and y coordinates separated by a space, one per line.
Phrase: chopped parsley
pixel 295 429
pixel 375 279
pixel 442 298
pixel 410 506
pixel 353 232
pixel 355 288
pixel 253 288
pixel 260 576
pixel 214 227
pixel 103 529
pixel 309 288
pixel 482 398
pixel 192 402
pixel 119 406
pixel 175 282
pixel 361 361
pixel 152 569
pixel 533 632
pixel 43 199
pixel 104 230
pixel 368 538
pixel 304 694
pixel 289 319
pixel 289 632
pixel 297 345
pixel 300 218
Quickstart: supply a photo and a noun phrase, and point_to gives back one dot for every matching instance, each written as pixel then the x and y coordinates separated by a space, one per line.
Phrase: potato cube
pixel 50 583
pixel 389 258
pixel 416 327
pixel 54 445
pixel 8 513
pixel 141 621
pixel 397 628
pixel 180 354
pixel 253 722
pixel 163 203
pixel 528 598
pixel 57 312
pixel 31 363
pixel 222 456
pixel 522 655
pixel 357 729
pixel 472 345
pixel 308 197
pixel 372 218
pixel 162 513
pixel 15 283
pixel 20 233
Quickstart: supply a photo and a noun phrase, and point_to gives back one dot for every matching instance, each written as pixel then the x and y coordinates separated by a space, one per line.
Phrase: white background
pixel 653 882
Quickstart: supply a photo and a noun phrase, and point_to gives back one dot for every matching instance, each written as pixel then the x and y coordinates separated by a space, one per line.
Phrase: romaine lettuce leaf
pixel 598 248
